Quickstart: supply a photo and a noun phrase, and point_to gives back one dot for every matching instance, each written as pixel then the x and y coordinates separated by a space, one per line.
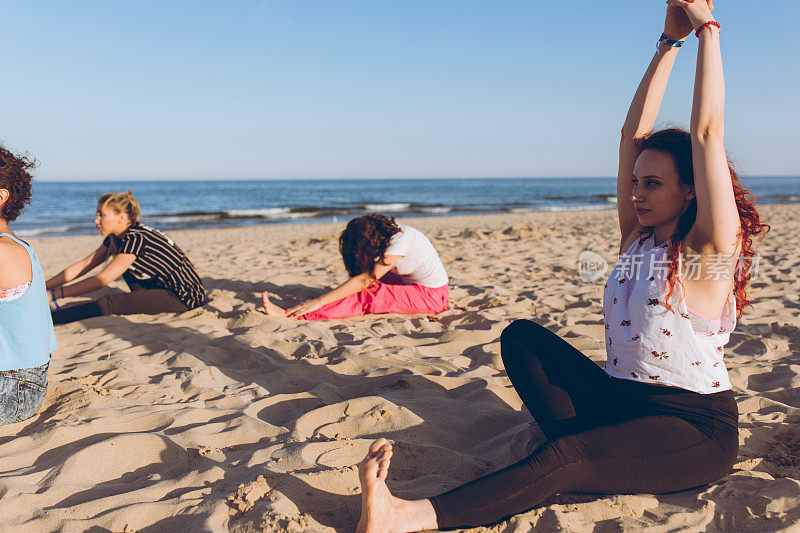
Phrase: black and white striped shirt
pixel 159 262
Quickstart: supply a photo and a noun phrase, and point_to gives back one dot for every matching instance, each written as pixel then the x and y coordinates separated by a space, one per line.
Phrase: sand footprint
pixel 118 466
pixel 357 418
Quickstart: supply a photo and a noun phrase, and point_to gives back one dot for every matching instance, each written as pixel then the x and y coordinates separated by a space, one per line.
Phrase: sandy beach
pixel 225 419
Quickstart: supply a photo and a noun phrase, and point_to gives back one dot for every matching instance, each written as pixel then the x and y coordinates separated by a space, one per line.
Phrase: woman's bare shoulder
pixel 15 263
pixel 11 250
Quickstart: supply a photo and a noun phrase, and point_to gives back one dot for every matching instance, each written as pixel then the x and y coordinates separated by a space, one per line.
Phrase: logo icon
pixel 591 266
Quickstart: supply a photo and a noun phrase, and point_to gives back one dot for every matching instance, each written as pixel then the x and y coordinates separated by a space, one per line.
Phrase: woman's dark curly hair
pixel 364 241
pixel 678 143
pixel 16 179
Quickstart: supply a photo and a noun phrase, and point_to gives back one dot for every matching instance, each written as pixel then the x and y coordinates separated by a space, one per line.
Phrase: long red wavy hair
pixel 677 142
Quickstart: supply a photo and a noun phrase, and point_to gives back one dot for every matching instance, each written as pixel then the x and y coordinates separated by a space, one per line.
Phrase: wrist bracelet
pixel 669 42
pixel 709 23
pixel 53 296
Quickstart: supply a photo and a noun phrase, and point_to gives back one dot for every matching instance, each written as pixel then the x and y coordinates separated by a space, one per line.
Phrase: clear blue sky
pixel 371 88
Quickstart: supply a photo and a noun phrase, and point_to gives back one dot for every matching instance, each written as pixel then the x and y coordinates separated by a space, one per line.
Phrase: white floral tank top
pixel 647 342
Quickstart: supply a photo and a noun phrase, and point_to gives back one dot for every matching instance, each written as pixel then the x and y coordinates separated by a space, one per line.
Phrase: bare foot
pixel 270 308
pixel 380 511
pixel 376 500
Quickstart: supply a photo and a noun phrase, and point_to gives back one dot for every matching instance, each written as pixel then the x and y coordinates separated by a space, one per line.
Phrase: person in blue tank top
pixel 26 330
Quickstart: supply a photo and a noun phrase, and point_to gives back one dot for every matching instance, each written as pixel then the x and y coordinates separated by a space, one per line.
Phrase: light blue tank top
pixel 26 328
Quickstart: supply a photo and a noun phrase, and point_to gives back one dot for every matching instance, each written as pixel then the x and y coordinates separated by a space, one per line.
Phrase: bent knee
pixel 519 329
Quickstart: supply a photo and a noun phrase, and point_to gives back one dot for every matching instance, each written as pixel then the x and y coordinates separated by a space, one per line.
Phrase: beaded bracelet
pixel 709 23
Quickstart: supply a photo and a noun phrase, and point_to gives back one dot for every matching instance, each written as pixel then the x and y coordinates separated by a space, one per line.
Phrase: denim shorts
pixel 21 392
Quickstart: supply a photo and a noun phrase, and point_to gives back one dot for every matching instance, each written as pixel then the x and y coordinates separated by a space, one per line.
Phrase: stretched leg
pixel 380 511
pixel 141 302
pixel 378 298
pixel 653 454
pixel 75 312
pixel 564 390
pixel 352 305
pixel 406 299
pixel 146 302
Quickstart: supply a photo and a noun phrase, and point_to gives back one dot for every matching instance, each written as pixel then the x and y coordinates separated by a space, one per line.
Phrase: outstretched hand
pixel 679 23
pixel 304 307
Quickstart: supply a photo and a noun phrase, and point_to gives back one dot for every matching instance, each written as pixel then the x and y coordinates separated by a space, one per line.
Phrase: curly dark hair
pixel 364 241
pixel 16 179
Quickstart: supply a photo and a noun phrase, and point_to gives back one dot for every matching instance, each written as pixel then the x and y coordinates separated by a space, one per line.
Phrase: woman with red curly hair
pixel 26 331
pixel 661 417
pixel 393 268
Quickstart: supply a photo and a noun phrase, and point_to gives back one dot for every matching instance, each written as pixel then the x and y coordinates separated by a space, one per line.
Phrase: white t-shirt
pixel 420 262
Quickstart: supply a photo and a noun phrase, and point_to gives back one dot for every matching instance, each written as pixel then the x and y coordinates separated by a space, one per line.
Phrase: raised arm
pixel 643 112
pixel 76 270
pixel 352 286
pixel 717 226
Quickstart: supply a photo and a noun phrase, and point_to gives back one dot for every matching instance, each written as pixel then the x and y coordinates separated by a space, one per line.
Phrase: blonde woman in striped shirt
pixel 160 276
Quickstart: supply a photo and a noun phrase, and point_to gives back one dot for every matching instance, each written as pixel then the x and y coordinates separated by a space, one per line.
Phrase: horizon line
pixel 362 178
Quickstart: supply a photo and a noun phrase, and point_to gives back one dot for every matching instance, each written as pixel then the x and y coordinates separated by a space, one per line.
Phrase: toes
pixel 383 470
pixel 375 450
pixel 376 446
pixel 376 463
pixel 368 468
pixel 383 460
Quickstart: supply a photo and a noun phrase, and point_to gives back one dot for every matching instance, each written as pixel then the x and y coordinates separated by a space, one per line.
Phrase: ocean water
pixel 67 208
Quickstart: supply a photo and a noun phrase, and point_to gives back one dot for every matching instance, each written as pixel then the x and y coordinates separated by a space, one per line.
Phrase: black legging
pixel 605 435
pixel 143 299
